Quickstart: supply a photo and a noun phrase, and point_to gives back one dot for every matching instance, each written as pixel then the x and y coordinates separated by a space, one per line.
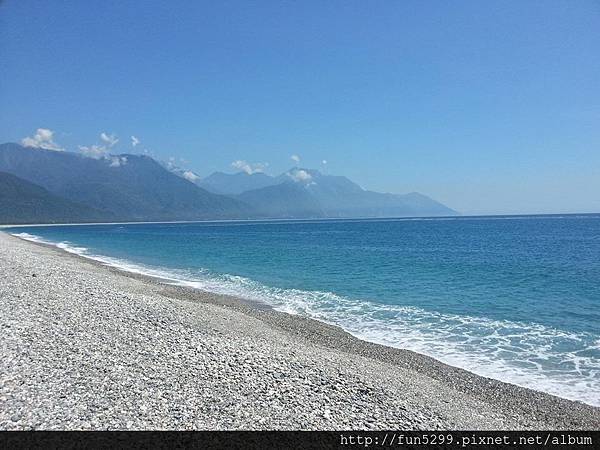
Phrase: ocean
pixel 515 298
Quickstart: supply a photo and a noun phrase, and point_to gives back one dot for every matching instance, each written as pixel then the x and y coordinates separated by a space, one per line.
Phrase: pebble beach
pixel 85 346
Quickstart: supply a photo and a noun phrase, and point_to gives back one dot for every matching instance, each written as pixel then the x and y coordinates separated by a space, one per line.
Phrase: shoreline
pixel 515 406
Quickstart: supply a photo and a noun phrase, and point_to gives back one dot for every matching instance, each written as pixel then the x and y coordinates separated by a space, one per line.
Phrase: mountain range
pixel 57 186
pixel 302 192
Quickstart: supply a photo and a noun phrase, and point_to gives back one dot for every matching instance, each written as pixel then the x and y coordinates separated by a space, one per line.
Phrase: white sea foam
pixel 32 238
pixel 530 355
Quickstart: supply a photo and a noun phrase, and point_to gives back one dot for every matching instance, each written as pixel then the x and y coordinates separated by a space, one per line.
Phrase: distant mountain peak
pixel 186 174
pixel 313 177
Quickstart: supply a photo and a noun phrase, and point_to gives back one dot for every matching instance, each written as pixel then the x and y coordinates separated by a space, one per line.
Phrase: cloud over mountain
pixel 249 168
pixel 299 175
pixel 117 161
pixel 102 151
pixel 43 138
pixel 190 176
pixel 94 151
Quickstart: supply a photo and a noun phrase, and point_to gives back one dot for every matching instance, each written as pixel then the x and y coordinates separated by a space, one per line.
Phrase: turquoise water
pixel 512 298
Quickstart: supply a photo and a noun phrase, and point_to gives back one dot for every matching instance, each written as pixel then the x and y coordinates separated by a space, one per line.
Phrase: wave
pixel 531 355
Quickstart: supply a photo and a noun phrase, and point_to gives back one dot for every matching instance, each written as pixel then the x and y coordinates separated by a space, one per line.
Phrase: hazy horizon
pixel 488 108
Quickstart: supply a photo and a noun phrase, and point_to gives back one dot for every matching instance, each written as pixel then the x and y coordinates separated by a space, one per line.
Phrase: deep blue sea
pixel 512 298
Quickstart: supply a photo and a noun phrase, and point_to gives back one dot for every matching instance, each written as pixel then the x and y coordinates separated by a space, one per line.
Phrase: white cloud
pixel 117 161
pixel 94 151
pixel 110 139
pixel 249 168
pixel 324 162
pixel 300 176
pixel 102 152
pixel 43 138
pixel 295 158
pixel 134 141
pixel 171 163
pixel 190 176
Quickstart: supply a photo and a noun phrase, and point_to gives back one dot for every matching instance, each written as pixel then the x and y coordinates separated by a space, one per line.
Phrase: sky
pixel 489 107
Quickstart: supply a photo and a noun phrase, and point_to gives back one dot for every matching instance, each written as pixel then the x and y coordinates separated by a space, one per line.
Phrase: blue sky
pixel 489 107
